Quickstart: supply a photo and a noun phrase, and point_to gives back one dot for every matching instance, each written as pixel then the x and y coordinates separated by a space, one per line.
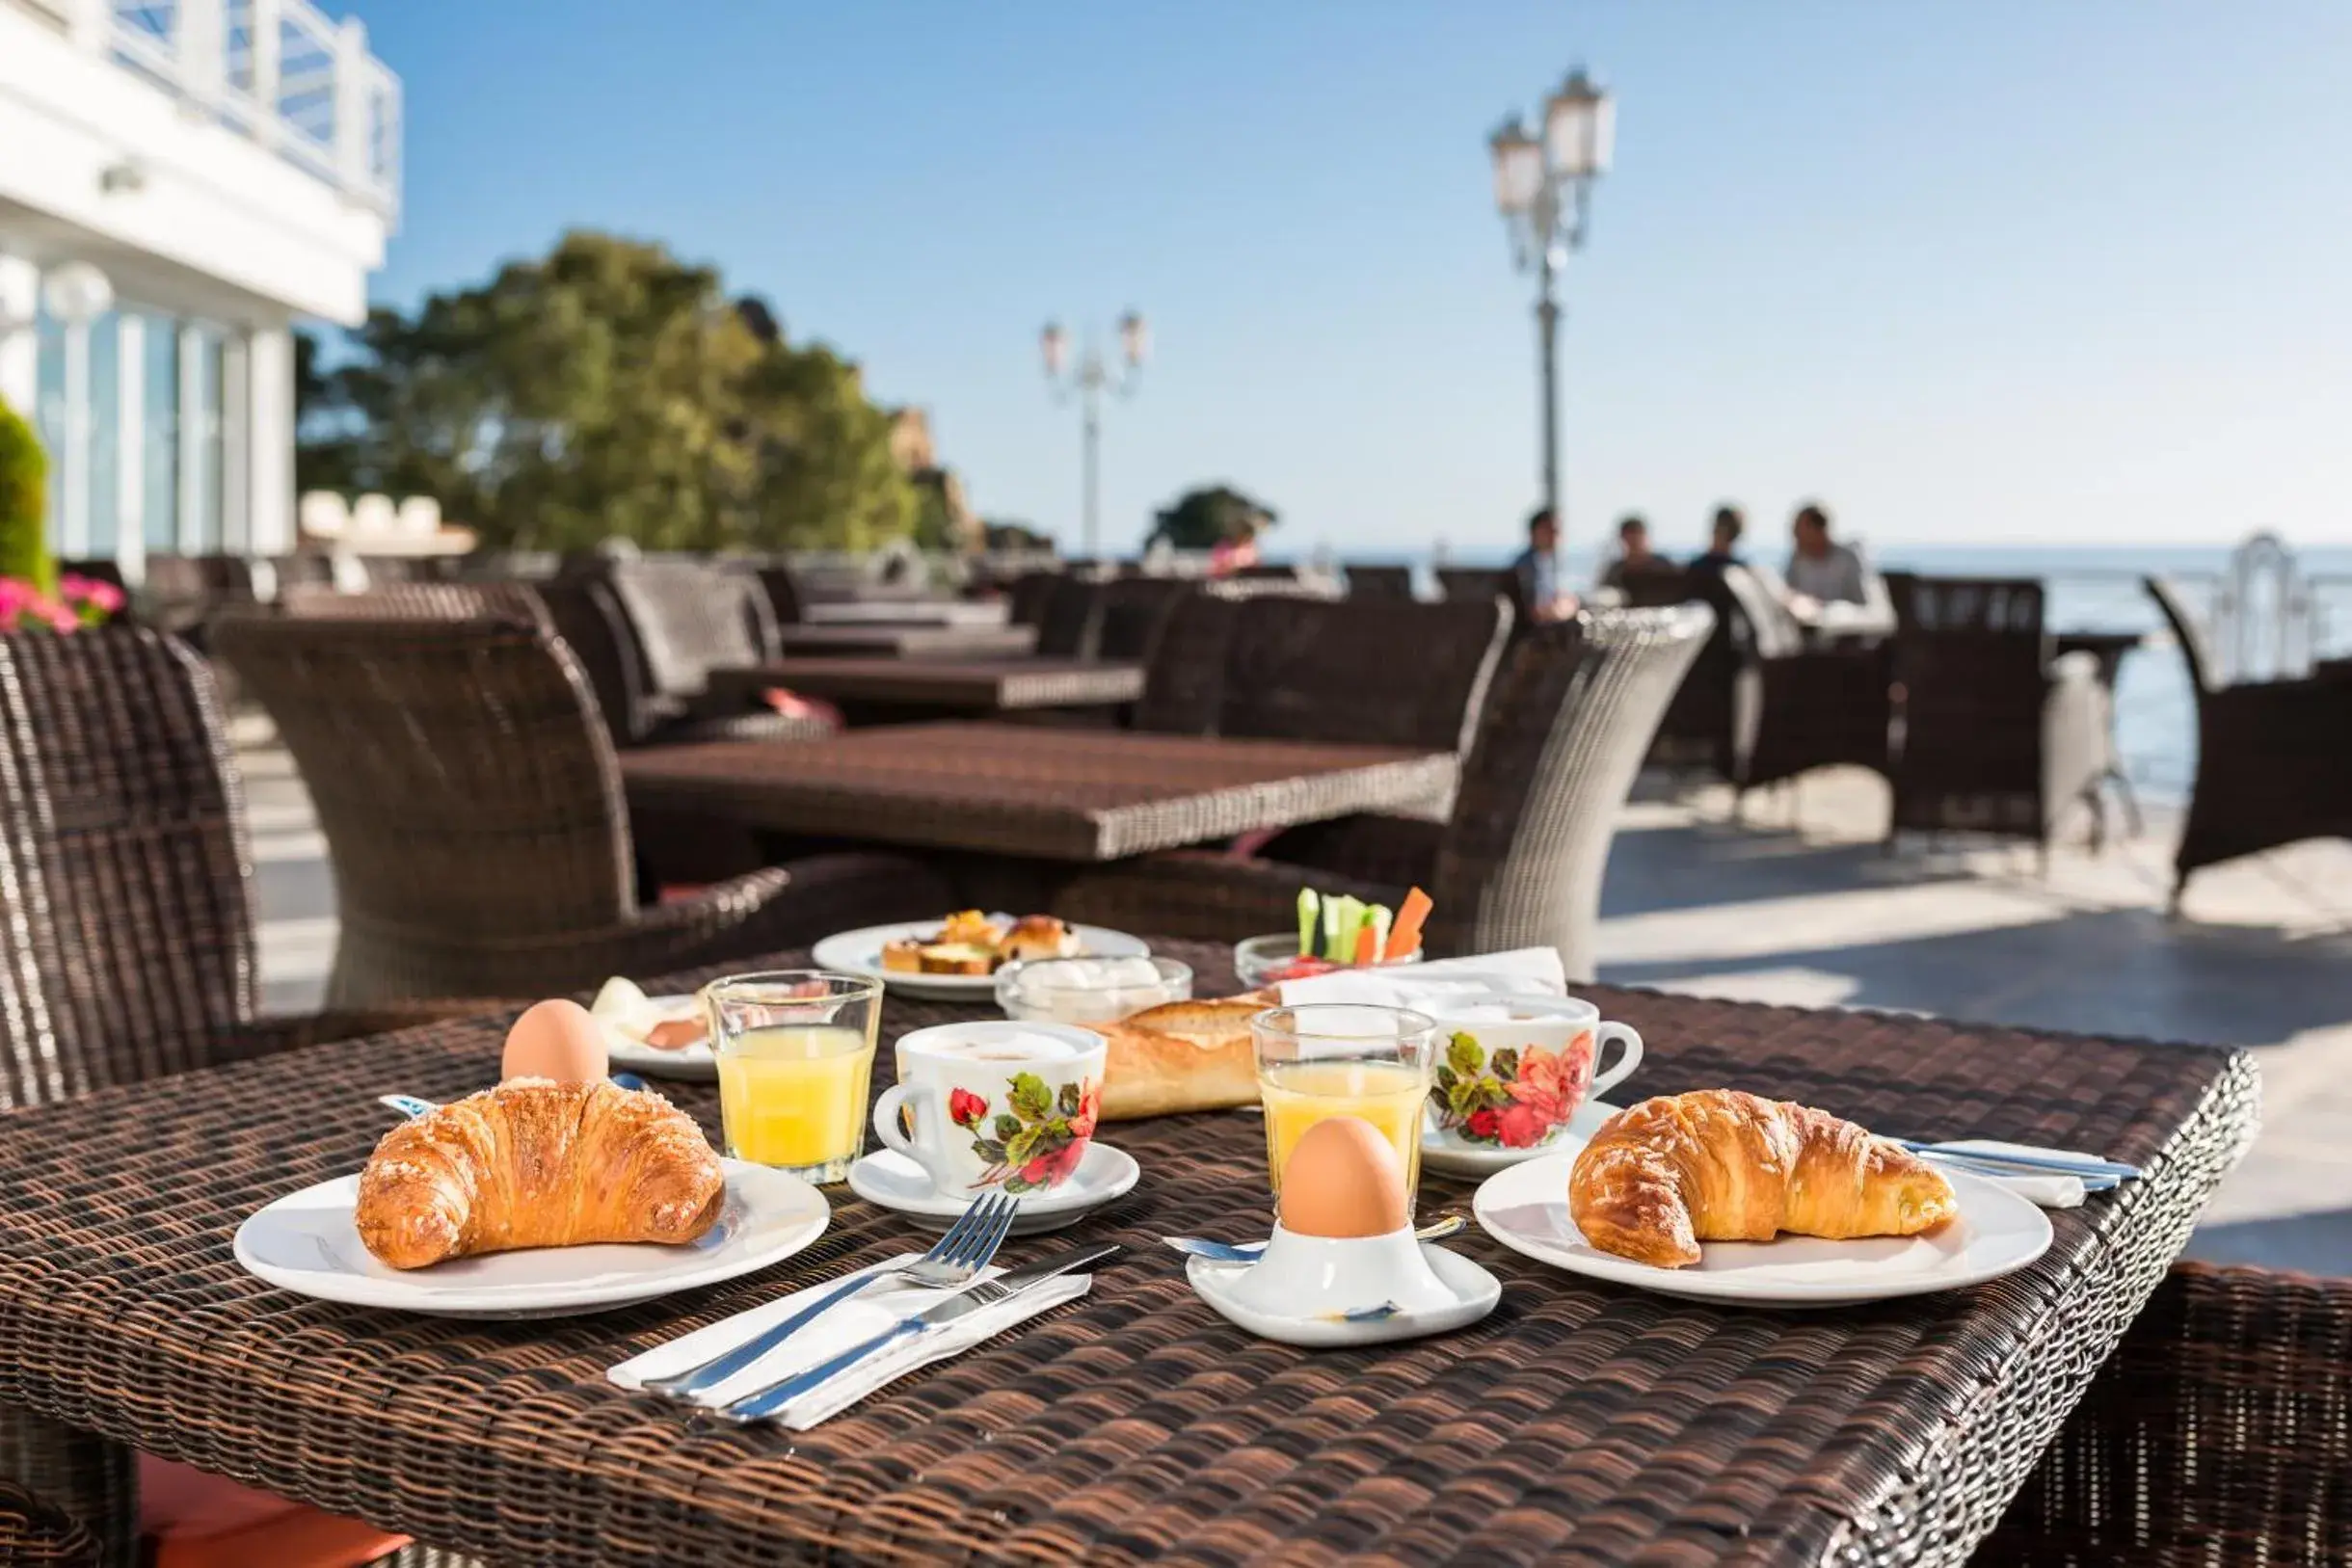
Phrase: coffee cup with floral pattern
pixel 1008 1106
pixel 1511 1069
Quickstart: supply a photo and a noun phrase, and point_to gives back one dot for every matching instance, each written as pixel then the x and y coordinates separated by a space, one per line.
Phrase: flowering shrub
pixel 78 603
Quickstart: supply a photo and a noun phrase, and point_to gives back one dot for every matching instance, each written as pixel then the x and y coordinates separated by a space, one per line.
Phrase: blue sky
pixel 1985 273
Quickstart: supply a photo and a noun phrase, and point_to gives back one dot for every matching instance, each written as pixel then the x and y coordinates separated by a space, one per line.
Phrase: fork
pixel 950 1265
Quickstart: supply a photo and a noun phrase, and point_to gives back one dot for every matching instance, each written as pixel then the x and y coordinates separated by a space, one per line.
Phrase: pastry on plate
pixel 1179 1056
pixel 534 1163
pixel 1038 935
pixel 1719 1165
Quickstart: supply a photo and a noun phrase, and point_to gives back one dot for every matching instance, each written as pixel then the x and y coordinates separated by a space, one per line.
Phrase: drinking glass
pixel 795 1049
pixel 1322 1059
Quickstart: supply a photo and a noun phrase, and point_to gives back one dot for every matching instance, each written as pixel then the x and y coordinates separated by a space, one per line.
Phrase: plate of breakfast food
pixel 664 1037
pixel 534 1199
pixel 956 959
pixel 1725 1196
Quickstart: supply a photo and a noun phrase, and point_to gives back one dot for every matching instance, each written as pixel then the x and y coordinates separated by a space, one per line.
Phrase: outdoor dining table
pixel 934 687
pixel 1020 790
pixel 886 641
pixel 1581 1423
pixel 913 612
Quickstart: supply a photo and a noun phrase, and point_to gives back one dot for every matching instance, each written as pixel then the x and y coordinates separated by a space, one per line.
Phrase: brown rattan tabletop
pixel 908 612
pixel 973 685
pixel 908 642
pixel 1014 789
pixel 1581 1422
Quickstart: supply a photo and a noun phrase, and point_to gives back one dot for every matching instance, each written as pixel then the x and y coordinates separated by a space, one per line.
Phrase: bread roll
pixel 1179 1056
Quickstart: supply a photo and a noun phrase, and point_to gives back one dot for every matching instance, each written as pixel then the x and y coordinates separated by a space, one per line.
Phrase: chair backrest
pixel 1654 589
pixel 1969 661
pixel 1361 669
pixel 1183 677
pixel 419 601
pixel 1772 632
pixel 1071 622
pixel 782 590
pixel 1028 594
pixel 1132 614
pixel 2204 670
pixel 588 618
pixel 693 616
pixel 458 769
pixel 1565 732
pixel 1388 582
pixel 1476 583
pixel 302 568
pixel 127 916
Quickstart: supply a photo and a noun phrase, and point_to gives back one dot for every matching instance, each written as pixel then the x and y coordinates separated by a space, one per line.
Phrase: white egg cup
pixel 1321 1276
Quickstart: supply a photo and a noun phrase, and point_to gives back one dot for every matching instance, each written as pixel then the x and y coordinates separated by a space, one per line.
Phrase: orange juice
pixel 1297 1095
pixel 794 1094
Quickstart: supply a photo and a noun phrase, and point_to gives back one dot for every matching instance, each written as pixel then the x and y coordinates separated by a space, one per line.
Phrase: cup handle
pixel 885 1118
pixel 1628 1058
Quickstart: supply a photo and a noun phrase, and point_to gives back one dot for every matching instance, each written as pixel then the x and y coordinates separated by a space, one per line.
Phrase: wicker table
pixel 912 612
pixel 907 642
pixel 1016 791
pixel 1580 1423
pixel 961 685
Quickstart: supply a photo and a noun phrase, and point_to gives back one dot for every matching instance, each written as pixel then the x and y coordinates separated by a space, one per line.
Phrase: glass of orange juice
pixel 1322 1059
pixel 796 1050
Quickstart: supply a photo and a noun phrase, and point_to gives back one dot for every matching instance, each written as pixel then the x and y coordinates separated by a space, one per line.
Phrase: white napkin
pixel 2047 1189
pixel 1523 971
pixel 847 1323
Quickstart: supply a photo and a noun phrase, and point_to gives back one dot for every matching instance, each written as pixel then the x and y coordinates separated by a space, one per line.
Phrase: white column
pixel 130 447
pixel 19 345
pixel 71 541
pixel 236 448
pixel 351 109
pixel 267 38
pixel 194 470
pixel 201 38
pixel 269 441
pixel 86 22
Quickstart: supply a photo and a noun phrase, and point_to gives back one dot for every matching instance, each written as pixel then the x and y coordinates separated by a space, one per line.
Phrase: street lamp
pixel 1543 189
pixel 1087 381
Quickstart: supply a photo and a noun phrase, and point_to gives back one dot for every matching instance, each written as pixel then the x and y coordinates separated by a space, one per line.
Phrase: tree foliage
pixel 606 389
pixel 1202 516
pixel 24 498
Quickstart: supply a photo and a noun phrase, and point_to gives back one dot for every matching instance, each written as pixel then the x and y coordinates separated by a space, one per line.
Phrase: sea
pixel 2098 589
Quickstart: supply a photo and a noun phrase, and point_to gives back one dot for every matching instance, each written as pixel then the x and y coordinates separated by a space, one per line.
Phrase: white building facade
pixel 179 184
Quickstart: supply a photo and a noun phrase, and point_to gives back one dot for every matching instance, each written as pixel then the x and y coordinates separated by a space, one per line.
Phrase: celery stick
pixel 1330 926
pixel 1307 910
pixel 1382 916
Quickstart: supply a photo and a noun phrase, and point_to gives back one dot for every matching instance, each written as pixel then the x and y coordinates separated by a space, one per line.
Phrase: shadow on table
pixel 2319 1243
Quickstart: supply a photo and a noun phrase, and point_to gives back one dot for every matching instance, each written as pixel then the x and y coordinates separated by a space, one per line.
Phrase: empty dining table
pixel 939 687
pixel 1085 795
pixel 888 641
pixel 918 612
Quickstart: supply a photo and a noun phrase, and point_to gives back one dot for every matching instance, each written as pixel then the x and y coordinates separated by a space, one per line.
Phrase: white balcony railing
pixel 280 71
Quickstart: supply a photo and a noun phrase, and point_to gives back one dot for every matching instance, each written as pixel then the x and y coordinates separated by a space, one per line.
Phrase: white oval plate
pixel 1526 1209
pixel 1475 1291
pixel 306 1243
pixel 693 1062
pixel 1459 1156
pixel 860 953
pixel 888 1177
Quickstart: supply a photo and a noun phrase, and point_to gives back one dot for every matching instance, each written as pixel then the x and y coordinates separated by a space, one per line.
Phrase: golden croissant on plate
pixel 1719 1165
pixel 533 1163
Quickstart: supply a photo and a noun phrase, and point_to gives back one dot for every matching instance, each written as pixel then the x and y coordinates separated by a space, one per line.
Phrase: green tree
pixel 25 498
pixel 1202 516
pixel 607 390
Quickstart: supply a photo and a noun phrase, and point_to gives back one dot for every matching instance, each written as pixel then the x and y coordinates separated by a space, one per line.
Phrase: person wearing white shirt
pixel 1831 584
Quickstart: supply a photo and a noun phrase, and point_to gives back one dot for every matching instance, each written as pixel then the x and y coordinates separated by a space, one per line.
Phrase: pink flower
pixel 1484 1124
pixel 103 597
pixel 1521 1125
pixel 1054 1168
pixel 1547 1092
pixel 1089 1110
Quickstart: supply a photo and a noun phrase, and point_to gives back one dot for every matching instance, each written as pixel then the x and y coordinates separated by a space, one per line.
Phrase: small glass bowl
pixel 1071 990
pixel 1262 961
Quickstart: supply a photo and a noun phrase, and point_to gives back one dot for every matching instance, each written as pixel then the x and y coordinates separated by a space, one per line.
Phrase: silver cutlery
pixel 772 1402
pixel 1248 1252
pixel 952 1262
pixel 2060 1164
pixel 1978 1166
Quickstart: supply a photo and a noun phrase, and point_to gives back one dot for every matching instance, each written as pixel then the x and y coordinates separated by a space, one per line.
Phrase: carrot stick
pixel 1406 933
pixel 1365 951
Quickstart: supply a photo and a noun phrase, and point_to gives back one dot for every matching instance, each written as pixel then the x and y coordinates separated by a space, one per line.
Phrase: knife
pixel 770 1401
pixel 2064 1164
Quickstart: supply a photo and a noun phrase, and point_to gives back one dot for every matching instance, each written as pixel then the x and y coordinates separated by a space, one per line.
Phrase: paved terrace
pixel 1802 905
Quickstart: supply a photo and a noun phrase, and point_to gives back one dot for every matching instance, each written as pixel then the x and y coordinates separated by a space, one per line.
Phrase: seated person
pixel 1722 546
pixel 1829 584
pixel 1535 574
pixel 1635 558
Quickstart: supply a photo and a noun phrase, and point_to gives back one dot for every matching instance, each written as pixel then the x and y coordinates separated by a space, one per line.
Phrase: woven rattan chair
pixel 2219 1433
pixel 1476 583
pixel 677 620
pixel 473 807
pixel 1028 594
pixel 1993 736
pixel 1792 708
pixel 1070 622
pixel 1132 614
pixel 2274 757
pixel 1370 581
pixel 1361 671
pixel 1518 863
pixel 419 600
pixel 1183 677
pixel 782 586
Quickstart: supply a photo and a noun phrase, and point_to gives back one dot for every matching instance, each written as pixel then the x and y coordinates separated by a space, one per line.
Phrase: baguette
pixel 1179 1056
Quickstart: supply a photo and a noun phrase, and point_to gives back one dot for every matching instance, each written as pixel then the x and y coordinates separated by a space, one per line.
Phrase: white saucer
pixel 306 1243
pixel 860 953
pixel 1476 1290
pixel 892 1181
pixel 1526 1209
pixel 1457 1156
pixel 694 1061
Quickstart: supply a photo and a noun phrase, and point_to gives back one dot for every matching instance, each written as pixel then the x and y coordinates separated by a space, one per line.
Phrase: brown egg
pixel 556 1040
pixel 1344 1180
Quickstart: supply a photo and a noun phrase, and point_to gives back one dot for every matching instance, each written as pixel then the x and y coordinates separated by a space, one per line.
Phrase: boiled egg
pixel 1343 1180
pixel 556 1040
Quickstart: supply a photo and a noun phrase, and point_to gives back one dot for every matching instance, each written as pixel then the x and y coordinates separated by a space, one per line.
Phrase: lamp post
pixel 1543 188
pixel 1087 381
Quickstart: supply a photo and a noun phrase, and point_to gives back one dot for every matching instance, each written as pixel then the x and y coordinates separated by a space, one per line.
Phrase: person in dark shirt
pixel 1722 548
pixel 1634 557
pixel 1535 572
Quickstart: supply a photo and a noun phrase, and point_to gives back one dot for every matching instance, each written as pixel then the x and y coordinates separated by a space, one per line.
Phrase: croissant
pixel 1719 1165
pixel 533 1163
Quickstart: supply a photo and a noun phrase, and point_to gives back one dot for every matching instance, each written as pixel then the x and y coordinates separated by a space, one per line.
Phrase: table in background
pixel 937 612
pixel 931 687
pixel 1581 1422
pixel 2106 646
pixel 1022 791
pixel 907 642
